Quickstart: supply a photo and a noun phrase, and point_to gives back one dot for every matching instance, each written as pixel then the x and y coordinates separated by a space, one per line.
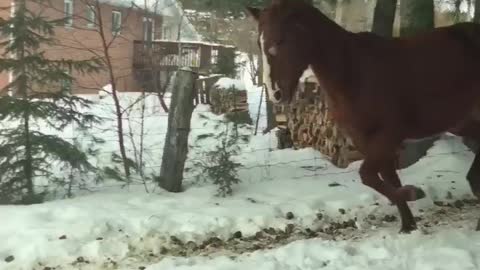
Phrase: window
pixel 91 16
pixel 68 10
pixel 166 33
pixel 214 57
pixel 147 29
pixel 116 22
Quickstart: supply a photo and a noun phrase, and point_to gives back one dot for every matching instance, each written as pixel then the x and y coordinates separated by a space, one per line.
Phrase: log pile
pixel 226 98
pixel 309 124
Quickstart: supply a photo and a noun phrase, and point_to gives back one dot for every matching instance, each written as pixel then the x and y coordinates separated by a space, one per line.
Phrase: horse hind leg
pixel 471 138
pixel 473 178
pixel 470 131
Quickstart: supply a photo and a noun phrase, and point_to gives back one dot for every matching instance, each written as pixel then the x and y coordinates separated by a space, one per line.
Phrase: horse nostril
pixel 277 95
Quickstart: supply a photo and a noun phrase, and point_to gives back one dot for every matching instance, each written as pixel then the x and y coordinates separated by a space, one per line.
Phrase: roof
pixel 167 8
pixel 199 43
pixel 163 7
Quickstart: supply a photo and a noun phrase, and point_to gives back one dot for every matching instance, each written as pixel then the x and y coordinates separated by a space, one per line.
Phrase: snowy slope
pixel 121 224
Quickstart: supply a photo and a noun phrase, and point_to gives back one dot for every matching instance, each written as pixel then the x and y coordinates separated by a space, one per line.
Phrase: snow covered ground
pixel 134 229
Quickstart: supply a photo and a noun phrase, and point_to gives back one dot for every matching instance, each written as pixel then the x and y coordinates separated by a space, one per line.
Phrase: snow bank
pixel 227 83
pixel 113 222
pixel 446 250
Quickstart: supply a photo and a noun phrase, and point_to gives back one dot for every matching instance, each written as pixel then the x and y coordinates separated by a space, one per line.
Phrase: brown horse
pixel 383 91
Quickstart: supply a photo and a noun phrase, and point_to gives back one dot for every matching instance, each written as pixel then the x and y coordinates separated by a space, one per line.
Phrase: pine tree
pixel 27 153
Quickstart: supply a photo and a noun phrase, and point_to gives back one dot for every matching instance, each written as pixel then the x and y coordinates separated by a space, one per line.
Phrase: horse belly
pixel 435 121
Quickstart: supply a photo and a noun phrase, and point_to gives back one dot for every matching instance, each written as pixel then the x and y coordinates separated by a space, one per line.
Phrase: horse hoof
pixel 407 229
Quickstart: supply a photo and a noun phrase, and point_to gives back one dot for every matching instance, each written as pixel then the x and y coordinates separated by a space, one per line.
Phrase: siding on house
pixel 4 14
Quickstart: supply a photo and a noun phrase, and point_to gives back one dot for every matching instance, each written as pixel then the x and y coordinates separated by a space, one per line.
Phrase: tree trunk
pixel 23 90
pixel 383 17
pixel 416 16
pixel 271 121
pixel 339 13
pixel 476 17
pixel 458 12
pixel 176 140
pixel 111 76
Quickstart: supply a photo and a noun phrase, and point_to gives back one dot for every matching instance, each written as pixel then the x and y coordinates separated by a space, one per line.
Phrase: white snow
pixel 229 83
pixel 308 76
pixel 173 16
pixel 445 251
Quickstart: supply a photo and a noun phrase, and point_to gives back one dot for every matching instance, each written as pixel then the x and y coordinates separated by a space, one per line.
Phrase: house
pixel 127 26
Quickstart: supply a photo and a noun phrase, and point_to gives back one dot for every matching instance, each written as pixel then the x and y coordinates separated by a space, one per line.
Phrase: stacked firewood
pixel 310 124
pixel 230 101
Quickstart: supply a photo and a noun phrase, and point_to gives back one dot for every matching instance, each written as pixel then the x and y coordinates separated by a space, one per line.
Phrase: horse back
pixel 413 80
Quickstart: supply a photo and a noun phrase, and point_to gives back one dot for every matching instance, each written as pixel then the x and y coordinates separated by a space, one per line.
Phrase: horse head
pixel 285 43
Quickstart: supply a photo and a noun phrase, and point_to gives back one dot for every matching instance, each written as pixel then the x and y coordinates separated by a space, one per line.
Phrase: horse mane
pixel 306 15
pixel 300 16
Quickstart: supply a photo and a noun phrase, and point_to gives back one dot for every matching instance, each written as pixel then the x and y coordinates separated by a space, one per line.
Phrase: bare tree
pixel 103 52
pixel 156 82
pixel 476 17
pixel 384 16
pixel 106 45
pixel 104 49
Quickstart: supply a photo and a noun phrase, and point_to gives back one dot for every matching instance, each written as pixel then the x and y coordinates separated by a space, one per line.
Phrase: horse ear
pixel 254 12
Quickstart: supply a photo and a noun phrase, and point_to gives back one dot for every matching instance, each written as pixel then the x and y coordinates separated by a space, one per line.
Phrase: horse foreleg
pixel 369 171
pixel 389 174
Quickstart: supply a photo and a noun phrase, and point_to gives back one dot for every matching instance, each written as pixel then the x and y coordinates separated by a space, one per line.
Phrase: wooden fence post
pixel 176 141
pixel 196 93
pixel 208 87
pixel 202 91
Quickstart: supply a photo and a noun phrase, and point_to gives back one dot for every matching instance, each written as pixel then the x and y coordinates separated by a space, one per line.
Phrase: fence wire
pixel 267 160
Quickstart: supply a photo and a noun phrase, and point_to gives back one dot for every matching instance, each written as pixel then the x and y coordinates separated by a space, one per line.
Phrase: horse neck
pixel 329 57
